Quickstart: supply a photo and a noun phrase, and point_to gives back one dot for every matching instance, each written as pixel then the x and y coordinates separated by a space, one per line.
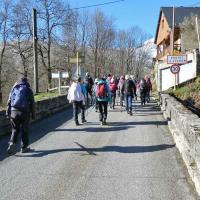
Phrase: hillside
pixel 188 94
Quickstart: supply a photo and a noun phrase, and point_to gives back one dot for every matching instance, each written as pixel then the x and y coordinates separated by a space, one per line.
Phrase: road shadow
pixel 147 108
pixel 110 127
pixel 38 129
pixel 94 151
pixel 92 123
pixel 147 114
pixel 117 110
pixel 135 123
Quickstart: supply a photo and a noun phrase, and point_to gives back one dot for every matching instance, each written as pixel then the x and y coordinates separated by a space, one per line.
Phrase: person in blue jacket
pixel 103 96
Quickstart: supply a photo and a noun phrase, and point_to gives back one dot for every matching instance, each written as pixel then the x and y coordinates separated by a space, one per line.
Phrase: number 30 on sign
pixel 175 69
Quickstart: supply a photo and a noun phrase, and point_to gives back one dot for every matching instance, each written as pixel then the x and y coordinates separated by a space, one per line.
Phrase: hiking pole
pixel 87 112
pixel 134 103
pixel 121 102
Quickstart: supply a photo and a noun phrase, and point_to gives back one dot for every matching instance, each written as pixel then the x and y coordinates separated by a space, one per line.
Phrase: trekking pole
pixel 134 103
pixel 121 102
pixel 93 105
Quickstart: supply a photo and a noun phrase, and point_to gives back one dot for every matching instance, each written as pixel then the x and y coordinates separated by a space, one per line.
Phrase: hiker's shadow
pixel 105 128
pixel 104 149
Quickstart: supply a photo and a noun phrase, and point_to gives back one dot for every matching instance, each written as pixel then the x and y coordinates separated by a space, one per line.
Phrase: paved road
pixel 132 158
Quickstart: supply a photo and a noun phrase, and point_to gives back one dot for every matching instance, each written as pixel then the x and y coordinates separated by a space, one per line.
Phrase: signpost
pixel 175 69
pixel 59 75
pixel 74 60
pixel 79 59
pixel 180 59
pixel 176 61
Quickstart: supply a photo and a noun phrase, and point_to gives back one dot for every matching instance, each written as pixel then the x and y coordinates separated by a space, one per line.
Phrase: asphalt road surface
pixel 131 158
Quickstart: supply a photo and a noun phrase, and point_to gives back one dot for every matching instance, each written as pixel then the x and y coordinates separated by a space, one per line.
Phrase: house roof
pixel 179 12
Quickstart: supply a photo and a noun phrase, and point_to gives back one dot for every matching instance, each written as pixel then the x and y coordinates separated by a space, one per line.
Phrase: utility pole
pixel 173 25
pixel 35 55
pixel 77 64
pixel 197 27
pixel 59 82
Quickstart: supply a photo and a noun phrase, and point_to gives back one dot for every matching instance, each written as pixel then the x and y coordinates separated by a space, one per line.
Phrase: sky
pixel 129 13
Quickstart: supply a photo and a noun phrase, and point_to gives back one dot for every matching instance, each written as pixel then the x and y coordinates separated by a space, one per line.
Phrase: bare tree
pixel 5 7
pixel 121 52
pixel 70 32
pixel 51 15
pixel 132 56
pixel 83 25
pixel 101 38
pixel 21 33
pixel 70 35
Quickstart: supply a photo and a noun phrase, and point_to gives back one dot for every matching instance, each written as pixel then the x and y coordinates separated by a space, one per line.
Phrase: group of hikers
pixel 101 92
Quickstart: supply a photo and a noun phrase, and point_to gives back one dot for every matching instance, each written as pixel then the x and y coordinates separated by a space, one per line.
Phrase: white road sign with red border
pixel 175 69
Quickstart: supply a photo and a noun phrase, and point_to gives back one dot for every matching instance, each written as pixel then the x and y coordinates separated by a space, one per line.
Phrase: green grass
pixel 193 164
pixel 189 92
pixel 46 95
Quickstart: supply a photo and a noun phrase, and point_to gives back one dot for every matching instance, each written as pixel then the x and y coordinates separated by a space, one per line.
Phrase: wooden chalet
pixel 164 36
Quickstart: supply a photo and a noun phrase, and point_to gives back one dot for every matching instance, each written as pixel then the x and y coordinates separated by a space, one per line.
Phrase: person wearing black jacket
pixel 129 92
pixel 143 91
pixel 20 107
pixel 88 81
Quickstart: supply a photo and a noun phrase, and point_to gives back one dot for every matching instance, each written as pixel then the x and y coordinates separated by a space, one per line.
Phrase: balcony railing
pixel 167 50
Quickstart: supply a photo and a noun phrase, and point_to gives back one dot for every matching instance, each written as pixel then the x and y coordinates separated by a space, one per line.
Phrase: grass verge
pixel 188 93
pixel 45 95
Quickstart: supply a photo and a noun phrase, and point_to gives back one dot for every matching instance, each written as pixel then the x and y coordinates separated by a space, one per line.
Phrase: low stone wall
pixel 4 123
pixel 185 128
pixel 43 108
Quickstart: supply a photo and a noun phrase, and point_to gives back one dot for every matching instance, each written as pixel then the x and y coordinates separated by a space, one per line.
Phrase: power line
pixel 101 4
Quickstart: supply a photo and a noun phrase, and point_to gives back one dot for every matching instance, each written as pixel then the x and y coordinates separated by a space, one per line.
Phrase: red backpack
pixel 101 90
pixel 113 87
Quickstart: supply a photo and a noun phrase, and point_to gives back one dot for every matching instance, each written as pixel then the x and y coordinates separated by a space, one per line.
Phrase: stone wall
pixel 4 124
pixel 185 128
pixel 43 108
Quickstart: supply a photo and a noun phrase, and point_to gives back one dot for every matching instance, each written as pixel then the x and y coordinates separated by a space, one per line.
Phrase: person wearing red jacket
pixel 121 89
pixel 149 90
pixel 113 89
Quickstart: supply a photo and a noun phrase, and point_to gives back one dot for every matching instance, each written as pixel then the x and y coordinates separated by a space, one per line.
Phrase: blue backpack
pixel 19 97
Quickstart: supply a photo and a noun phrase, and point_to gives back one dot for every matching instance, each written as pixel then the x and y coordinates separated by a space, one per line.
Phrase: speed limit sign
pixel 175 69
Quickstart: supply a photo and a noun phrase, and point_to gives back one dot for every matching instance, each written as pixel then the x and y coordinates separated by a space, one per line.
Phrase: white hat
pixel 96 80
pixel 127 77
pixel 131 76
